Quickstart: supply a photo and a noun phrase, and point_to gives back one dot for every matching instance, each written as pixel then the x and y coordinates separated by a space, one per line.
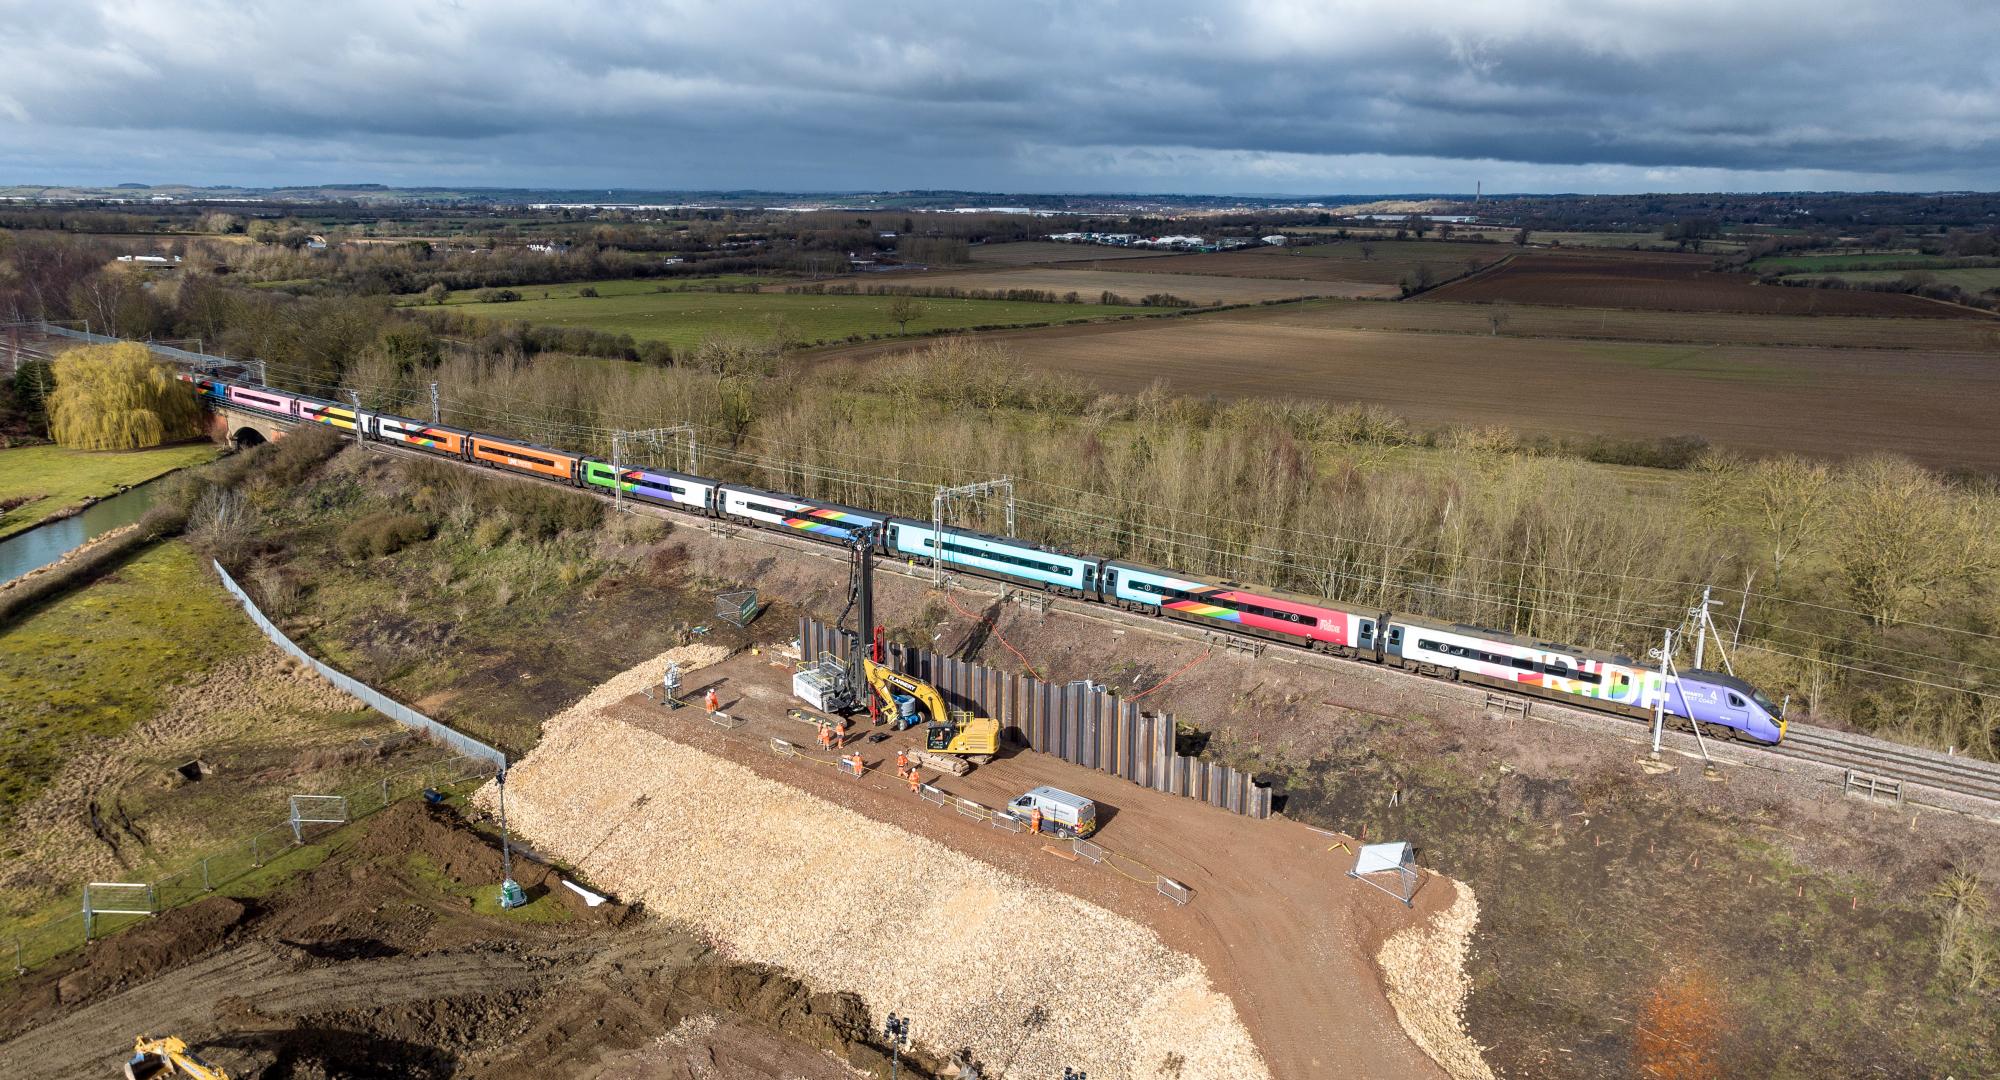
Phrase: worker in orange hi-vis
pixel 854 762
pixel 1035 821
pixel 713 703
pixel 915 782
pixel 825 737
pixel 902 761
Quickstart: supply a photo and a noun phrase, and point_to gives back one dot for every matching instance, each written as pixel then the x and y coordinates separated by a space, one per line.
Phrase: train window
pixel 1524 664
pixel 767 508
pixel 1735 701
pixel 967 551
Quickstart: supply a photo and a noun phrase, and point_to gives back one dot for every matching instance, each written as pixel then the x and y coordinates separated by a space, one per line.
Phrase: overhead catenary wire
pixel 1278 558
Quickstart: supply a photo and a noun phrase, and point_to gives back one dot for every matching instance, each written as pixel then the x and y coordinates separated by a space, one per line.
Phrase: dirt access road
pixel 1273 917
pixel 377 963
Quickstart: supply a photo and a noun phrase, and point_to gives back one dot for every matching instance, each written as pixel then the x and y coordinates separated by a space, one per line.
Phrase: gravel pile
pixel 1031 979
pixel 1424 969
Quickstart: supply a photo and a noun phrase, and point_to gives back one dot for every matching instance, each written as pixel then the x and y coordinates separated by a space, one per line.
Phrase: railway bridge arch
pixel 242 428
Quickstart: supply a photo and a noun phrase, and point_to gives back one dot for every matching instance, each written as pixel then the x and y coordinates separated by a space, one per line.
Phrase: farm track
pixel 1911 765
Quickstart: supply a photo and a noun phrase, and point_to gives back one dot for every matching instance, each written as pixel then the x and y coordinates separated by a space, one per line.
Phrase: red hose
pixel 1030 668
pixel 1205 655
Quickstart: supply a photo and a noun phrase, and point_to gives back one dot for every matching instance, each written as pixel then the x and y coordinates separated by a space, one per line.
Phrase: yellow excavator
pixel 954 741
pixel 945 731
pixel 167 1057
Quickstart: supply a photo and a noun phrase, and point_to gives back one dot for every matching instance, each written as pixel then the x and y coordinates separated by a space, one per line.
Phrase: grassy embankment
pixel 47 480
pixel 489 603
pixel 1776 945
pixel 652 310
pixel 119 683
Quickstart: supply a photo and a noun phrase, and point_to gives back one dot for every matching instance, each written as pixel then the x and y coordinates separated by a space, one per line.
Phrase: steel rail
pixel 1951 774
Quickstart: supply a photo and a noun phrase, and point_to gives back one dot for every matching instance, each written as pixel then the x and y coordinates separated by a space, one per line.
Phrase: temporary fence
pixel 1078 722
pixel 109 906
pixel 200 361
pixel 368 695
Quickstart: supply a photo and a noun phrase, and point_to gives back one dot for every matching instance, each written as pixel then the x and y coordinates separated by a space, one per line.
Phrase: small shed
pixel 1391 868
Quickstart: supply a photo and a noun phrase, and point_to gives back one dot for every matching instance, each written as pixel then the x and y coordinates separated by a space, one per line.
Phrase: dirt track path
pixel 1273 917
pixel 89 1043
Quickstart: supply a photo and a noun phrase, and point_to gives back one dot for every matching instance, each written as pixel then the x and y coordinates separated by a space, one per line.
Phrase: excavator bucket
pixel 146 1066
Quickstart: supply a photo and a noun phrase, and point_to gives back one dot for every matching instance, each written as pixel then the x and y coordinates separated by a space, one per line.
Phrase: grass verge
pixel 48 480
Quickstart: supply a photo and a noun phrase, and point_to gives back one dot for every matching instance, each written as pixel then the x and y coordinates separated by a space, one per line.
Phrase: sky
pixel 1284 98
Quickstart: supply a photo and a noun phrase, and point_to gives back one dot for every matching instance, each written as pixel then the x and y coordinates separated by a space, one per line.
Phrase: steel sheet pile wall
pixel 1077 723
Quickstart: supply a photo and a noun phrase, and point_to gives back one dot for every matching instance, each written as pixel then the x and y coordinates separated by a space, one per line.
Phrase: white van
pixel 1063 814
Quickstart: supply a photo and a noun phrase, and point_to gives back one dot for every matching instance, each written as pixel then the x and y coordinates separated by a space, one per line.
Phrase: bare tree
pixel 902 310
pixel 1367 252
pixel 1496 318
pixel 1904 542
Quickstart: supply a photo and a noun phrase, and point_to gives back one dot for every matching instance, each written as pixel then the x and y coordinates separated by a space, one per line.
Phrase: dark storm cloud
pixel 1253 96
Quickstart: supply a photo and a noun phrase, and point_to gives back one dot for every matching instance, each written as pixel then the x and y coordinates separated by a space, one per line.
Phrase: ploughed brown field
pixel 1036 252
pixel 1933 406
pixel 1387 262
pixel 1708 328
pixel 1669 282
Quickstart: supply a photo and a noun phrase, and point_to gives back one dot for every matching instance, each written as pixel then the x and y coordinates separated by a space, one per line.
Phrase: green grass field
pixel 53 479
pixel 685 318
pixel 1973 279
pixel 96 662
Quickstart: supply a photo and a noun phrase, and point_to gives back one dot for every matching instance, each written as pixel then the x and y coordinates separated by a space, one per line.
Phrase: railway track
pixel 1907 764
pixel 1872 758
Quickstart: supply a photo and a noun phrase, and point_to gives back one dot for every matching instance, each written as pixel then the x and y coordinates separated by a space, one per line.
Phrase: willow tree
pixel 117 397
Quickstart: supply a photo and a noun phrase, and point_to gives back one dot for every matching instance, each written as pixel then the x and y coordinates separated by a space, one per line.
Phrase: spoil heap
pixel 1424 968
pixel 1032 980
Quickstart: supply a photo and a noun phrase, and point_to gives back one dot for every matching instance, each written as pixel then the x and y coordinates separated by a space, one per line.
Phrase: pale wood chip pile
pixel 1424 970
pixel 1031 979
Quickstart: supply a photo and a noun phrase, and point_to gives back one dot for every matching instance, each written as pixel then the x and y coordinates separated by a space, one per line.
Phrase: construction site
pixel 742 862
pixel 887 820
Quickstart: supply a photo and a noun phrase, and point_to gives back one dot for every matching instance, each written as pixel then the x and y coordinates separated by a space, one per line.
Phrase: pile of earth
pixel 378 962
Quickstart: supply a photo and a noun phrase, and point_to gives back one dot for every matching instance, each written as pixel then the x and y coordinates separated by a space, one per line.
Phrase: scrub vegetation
pixel 1870 582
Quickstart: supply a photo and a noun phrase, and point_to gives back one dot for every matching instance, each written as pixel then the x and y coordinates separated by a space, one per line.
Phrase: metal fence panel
pixel 368 695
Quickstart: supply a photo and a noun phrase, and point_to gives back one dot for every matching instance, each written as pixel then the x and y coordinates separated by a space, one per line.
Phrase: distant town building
pixel 1275 241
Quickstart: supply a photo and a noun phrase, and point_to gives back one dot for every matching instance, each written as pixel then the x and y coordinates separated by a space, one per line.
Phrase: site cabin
pixel 1063 814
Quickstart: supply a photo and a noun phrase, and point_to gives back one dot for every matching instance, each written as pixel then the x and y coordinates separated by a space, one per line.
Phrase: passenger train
pixel 1465 653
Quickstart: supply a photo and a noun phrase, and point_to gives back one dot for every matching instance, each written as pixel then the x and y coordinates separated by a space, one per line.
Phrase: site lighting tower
pixel 897 1029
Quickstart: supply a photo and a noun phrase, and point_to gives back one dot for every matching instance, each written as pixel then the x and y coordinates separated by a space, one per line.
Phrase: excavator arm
pixel 167 1057
pixel 944 732
pixel 885 682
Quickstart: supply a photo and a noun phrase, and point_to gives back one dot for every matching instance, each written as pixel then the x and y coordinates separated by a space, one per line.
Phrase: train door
pixel 1735 710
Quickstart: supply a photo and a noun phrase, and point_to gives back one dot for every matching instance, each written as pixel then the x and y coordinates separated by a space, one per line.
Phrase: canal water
pixel 44 544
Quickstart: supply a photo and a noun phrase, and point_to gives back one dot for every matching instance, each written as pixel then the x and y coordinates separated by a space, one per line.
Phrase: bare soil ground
pixel 1041 252
pixel 1830 402
pixel 376 964
pixel 1386 264
pixel 1671 283
pixel 1612 324
pixel 1272 918
pixel 1596 880
pixel 1091 284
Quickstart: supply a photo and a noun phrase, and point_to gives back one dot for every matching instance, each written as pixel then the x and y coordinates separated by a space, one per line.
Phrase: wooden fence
pixel 1078 722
